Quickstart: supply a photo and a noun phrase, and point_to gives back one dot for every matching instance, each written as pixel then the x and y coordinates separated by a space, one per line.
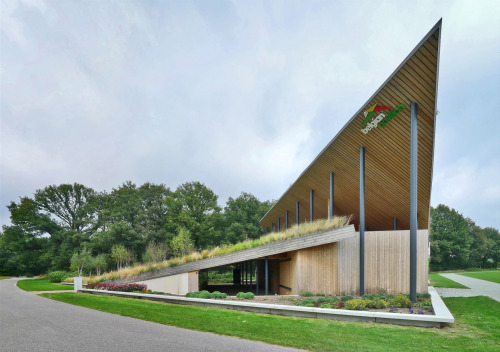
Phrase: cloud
pixel 239 95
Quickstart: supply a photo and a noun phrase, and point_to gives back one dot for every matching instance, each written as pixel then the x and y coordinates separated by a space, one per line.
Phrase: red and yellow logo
pixel 382 119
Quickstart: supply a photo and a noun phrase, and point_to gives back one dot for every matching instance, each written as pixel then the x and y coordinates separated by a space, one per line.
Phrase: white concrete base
pixel 442 314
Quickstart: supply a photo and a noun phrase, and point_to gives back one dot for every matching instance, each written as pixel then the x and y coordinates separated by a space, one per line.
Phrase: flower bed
pixel 117 287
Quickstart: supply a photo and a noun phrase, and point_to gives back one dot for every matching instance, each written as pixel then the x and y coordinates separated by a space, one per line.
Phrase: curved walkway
pixel 478 287
pixel 32 323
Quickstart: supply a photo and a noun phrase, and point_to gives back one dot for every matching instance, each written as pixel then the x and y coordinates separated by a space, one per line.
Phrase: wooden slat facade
pixel 387 158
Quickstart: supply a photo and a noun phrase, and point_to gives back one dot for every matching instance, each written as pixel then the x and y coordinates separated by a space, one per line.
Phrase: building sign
pixel 382 119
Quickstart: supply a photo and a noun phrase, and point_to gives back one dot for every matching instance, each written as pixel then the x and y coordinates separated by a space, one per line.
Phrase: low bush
pixel 57 276
pixel 424 295
pixel 340 305
pixel 328 305
pixel 117 287
pixel 306 294
pixel 400 301
pixel 424 303
pixel 369 296
pixel 320 294
pixel 355 304
pixel 219 295
pixel 376 303
pixel 245 295
pixel 248 295
pixel 308 302
pixel 346 298
pixel 328 299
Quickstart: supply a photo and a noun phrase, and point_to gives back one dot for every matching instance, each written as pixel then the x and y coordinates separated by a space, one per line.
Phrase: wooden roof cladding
pixel 387 154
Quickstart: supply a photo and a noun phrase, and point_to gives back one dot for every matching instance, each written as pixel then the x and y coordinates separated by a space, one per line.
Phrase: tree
pixel 100 263
pixel 69 203
pixel 156 252
pixel 182 244
pixel 120 254
pixel 82 260
pixel 450 239
pixel 241 217
pixel 199 213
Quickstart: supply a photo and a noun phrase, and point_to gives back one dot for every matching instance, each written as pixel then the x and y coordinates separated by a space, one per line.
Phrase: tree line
pixel 458 243
pixel 130 224
pixel 71 226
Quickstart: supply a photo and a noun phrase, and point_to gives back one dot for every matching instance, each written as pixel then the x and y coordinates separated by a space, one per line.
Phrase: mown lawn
pixel 41 285
pixel 441 281
pixel 477 327
pixel 493 276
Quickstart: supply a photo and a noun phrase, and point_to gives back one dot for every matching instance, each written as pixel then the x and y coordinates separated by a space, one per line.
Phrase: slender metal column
pixel 267 276
pixel 257 277
pixel 279 224
pixel 362 221
pixel 395 223
pixel 286 219
pixel 250 271
pixel 413 201
pixel 311 205
pixel 297 213
pixel 267 230
pixel 331 195
pixel 272 227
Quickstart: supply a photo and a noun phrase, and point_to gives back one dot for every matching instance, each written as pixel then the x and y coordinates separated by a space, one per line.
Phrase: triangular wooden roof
pixel 387 176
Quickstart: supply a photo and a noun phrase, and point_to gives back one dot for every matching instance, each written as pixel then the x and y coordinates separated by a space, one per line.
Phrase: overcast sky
pixel 240 95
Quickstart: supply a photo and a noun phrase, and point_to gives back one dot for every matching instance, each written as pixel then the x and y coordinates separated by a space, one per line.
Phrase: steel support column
pixel 413 201
pixel 286 219
pixel 272 227
pixel 395 223
pixel 331 195
pixel 267 276
pixel 362 221
pixel 279 224
pixel 297 213
pixel 311 205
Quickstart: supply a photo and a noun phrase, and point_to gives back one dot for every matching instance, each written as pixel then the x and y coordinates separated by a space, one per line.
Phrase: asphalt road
pixel 32 323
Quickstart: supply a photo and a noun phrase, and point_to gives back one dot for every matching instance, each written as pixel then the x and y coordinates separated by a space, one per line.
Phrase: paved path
pixel 477 287
pixel 32 323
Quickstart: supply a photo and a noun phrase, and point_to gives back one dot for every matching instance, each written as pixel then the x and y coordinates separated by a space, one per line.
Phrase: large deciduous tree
pixel 69 203
pixel 450 238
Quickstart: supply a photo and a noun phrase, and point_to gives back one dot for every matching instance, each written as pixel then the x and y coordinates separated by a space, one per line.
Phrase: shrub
pixel 346 298
pixel 245 295
pixel 308 302
pixel 340 305
pixel 320 294
pixel 328 299
pixel 400 301
pixel 57 276
pixel 117 287
pixel 381 295
pixel 248 295
pixel 219 295
pixel 355 304
pixel 306 294
pixel 424 295
pixel 369 296
pixel 425 303
pixel 376 303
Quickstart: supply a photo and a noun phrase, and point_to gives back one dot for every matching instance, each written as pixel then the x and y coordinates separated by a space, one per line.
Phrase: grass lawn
pixel 441 281
pixel 477 328
pixel 493 276
pixel 41 285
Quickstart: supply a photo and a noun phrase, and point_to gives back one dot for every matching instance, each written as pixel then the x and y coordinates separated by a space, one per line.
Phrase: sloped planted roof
pixel 387 155
pixel 292 244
